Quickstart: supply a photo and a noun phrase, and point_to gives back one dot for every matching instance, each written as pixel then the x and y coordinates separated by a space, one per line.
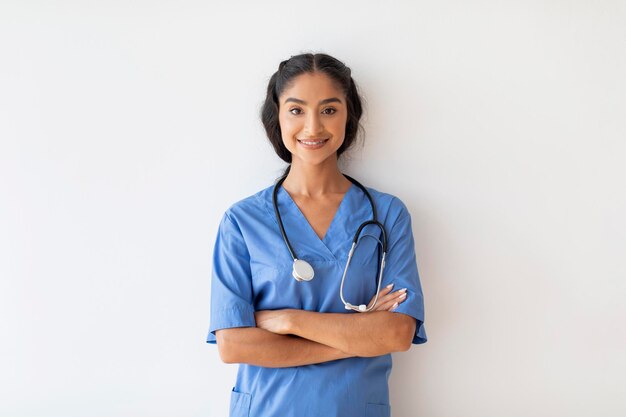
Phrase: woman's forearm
pixel 260 347
pixel 369 334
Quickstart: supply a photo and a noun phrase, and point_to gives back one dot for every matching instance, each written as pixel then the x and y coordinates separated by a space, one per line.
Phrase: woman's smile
pixel 312 117
pixel 312 143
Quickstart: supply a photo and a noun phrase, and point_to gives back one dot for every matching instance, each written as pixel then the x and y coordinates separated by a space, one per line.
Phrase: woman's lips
pixel 312 143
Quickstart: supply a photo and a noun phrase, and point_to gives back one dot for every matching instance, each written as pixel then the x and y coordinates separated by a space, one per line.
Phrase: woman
pixel 279 305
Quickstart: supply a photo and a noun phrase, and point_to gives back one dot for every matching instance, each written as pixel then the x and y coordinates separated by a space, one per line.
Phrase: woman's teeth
pixel 312 142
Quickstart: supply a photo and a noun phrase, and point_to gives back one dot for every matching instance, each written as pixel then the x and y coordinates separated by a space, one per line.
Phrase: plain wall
pixel 127 128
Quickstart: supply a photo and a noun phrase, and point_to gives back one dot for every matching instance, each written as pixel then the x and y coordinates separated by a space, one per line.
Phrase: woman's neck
pixel 315 180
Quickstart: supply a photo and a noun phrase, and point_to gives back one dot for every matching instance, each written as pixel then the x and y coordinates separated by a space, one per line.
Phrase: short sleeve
pixel 231 285
pixel 401 270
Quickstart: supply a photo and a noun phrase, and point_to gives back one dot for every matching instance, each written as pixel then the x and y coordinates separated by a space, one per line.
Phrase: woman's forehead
pixel 312 88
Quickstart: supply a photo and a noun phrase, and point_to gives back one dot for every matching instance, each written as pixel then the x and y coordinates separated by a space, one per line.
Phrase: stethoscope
pixel 303 271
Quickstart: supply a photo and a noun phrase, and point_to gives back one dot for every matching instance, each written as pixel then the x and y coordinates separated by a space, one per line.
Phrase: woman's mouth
pixel 312 143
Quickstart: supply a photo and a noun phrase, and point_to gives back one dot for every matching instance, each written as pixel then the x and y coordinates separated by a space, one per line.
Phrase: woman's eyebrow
pixel 325 101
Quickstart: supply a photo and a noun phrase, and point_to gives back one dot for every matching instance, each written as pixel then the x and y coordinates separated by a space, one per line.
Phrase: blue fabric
pixel 252 271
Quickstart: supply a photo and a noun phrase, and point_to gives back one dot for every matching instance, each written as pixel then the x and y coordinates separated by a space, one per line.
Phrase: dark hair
pixel 310 63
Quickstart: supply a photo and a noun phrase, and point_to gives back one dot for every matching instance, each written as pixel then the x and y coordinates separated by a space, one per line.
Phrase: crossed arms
pixel 289 337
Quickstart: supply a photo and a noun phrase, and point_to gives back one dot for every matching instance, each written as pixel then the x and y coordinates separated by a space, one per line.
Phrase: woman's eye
pixel 329 110
pixel 295 110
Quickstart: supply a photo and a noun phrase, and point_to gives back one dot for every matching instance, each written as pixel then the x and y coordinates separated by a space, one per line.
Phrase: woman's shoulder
pixel 388 203
pixel 251 205
pixel 387 200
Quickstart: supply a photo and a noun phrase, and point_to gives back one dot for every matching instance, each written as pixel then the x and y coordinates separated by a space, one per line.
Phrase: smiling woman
pixel 312 117
pixel 287 334
pixel 319 70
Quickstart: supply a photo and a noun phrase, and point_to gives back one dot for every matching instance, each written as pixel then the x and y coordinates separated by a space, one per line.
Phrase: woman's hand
pixel 279 321
pixel 387 300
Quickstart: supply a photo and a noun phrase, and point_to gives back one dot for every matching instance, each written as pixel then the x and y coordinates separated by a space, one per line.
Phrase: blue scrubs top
pixel 252 271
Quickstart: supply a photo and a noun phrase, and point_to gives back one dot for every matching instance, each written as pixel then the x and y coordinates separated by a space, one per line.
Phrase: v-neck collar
pixel 301 218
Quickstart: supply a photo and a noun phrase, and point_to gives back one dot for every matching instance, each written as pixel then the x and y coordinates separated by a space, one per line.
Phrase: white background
pixel 127 128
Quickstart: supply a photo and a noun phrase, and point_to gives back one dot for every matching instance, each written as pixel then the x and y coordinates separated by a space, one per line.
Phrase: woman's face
pixel 312 114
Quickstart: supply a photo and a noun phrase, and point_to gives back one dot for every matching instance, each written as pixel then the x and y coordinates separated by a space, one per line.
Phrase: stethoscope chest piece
pixel 302 270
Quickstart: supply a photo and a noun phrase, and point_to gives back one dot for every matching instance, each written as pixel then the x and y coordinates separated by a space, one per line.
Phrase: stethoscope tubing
pixel 362 308
pixel 280 220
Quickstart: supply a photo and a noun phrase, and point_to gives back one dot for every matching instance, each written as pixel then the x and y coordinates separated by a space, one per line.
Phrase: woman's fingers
pixel 383 293
pixel 390 297
pixel 390 305
pixel 387 300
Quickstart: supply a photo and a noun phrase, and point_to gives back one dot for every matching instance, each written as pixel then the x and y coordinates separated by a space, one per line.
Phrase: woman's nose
pixel 313 124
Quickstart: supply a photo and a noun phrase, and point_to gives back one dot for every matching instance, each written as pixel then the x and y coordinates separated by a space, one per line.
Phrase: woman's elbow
pixel 226 349
pixel 404 332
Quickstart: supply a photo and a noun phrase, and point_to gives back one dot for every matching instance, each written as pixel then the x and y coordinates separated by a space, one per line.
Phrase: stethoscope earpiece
pixel 361 308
